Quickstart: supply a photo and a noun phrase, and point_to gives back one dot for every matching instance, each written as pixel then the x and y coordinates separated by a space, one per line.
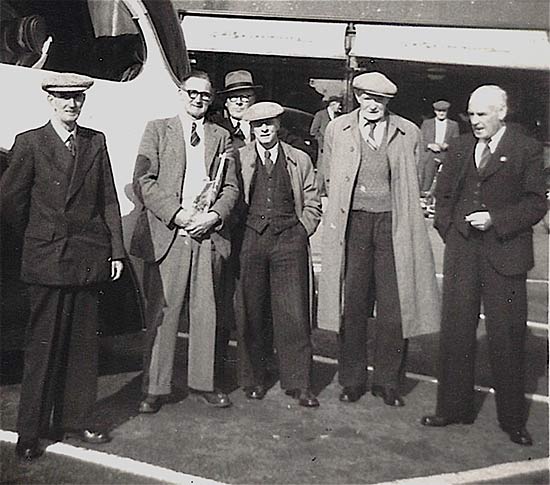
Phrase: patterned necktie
pixel 485 156
pixel 70 144
pixel 238 132
pixel 195 138
pixel 371 141
pixel 268 162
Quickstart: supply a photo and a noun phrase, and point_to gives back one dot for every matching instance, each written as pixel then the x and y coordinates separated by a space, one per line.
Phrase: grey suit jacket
pixel 158 183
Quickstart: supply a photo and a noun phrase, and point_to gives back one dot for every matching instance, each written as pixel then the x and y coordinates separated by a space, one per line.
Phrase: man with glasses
pixel 375 242
pixel 59 191
pixel 185 178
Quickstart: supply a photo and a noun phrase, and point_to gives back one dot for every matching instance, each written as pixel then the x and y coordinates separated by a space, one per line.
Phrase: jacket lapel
pixel 494 164
pixel 351 130
pixel 82 162
pixel 211 142
pixel 248 168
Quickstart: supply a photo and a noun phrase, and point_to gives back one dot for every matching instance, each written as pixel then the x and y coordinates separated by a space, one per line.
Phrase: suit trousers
pixel 274 266
pixel 370 268
pixel 61 356
pixel 469 278
pixel 190 269
pixel 429 171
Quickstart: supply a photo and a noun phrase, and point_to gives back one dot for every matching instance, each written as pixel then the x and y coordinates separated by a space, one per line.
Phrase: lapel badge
pixel 503 159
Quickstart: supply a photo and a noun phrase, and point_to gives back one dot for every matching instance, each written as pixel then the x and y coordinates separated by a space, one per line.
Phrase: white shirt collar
pixel 61 131
pixel 186 122
pixel 273 152
pixel 495 139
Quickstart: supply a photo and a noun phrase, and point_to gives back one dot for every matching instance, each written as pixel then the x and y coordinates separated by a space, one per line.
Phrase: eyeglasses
pixel 192 93
pixel 243 98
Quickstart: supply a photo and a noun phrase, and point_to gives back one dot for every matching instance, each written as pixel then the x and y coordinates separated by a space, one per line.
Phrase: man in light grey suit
pixel 185 177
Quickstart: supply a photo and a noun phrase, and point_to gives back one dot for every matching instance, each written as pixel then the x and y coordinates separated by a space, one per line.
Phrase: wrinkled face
pixel 265 131
pixel 486 116
pixel 197 95
pixel 238 101
pixel 441 114
pixel 67 106
pixel 372 107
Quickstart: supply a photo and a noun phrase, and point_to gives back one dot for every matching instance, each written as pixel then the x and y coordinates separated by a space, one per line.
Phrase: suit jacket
pixel 512 189
pixel 70 218
pixel 158 183
pixel 226 123
pixel 318 127
pixel 428 136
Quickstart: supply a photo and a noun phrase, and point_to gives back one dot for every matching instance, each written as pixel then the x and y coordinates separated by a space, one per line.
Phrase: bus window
pixel 92 37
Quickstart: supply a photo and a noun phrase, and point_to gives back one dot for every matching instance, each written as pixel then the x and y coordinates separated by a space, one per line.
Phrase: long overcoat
pixel 419 296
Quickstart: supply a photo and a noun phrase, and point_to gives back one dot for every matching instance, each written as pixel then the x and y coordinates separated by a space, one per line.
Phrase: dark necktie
pixel 371 141
pixel 485 157
pixel 70 144
pixel 195 138
pixel 238 132
pixel 268 162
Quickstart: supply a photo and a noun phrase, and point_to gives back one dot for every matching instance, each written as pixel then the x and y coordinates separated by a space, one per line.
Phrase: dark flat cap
pixel 263 111
pixel 375 83
pixel 66 83
pixel 441 105
pixel 236 80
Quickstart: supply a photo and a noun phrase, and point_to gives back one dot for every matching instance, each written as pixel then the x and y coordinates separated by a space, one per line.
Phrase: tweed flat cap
pixel 375 83
pixel 441 105
pixel 263 111
pixel 66 83
pixel 236 80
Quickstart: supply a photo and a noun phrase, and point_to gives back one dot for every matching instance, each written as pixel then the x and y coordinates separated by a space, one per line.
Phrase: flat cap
pixel 441 104
pixel 375 83
pixel 263 111
pixel 66 83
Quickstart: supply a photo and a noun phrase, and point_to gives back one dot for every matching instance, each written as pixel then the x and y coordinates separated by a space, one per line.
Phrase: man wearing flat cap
pixel 59 190
pixel 282 209
pixel 317 129
pixel 437 133
pixel 375 243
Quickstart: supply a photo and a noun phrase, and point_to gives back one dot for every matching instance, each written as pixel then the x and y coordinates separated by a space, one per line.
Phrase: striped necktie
pixel 70 144
pixel 195 138
pixel 268 162
pixel 371 141
pixel 485 156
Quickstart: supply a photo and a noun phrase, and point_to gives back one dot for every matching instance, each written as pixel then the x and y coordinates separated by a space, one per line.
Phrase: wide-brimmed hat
pixel 237 80
pixel 67 83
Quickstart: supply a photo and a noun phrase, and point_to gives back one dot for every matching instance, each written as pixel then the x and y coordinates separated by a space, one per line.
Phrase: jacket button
pixel 342 210
pixel 88 270
pixel 347 179
pixel 351 149
pixel 262 217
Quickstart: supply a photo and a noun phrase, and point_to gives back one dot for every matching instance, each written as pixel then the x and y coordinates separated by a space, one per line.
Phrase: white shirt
pixel 244 126
pixel 195 169
pixel 62 131
pixel 440 129
pixel 273 152
pixel 379 129
pixel 481 144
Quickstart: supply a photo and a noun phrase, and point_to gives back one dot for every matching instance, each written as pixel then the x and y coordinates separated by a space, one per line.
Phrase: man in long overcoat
pixel 186 180
pixel 375 240
pixel 59 190
pixel 489 195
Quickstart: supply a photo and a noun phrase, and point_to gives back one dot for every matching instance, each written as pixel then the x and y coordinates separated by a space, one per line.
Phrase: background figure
pixel 183 239
pixel 317 129
pixel 283 209
pixel 489 194
pixel 375 242
pixel 59 190
pixel 437 133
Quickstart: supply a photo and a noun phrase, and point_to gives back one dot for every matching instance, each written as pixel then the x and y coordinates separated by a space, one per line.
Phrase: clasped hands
pixel 479 220
pixel 196 224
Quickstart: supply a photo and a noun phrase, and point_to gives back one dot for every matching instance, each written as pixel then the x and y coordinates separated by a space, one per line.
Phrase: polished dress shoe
pixel 351 393
pixel 28 450
pixel 87 435
pixel 391 396
pixel 255 392
pixel 151 404
pixel 304 397
pixel 436 421
pixel 519 436
pixel 214 398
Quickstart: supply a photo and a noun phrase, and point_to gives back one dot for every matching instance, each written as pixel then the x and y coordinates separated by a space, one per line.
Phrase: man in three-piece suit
pixel 489 194
pixel 437 133
pixel 59 190
pixel 283 209
pixel 182 237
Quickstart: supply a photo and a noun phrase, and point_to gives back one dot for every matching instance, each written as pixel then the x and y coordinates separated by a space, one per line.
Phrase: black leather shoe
pixel 304 397
pixel 436 421
pixel 91 436
pixel 214 398
pixel 391 396
pixel 519 436
pixel 151 404
pixel 255 392
pixel 351 393
pixel 28 450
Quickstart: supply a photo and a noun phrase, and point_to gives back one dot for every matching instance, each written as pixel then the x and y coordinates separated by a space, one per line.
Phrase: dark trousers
pixel 61 357
pixel 469 278
pixel 274 267
pixel 370 267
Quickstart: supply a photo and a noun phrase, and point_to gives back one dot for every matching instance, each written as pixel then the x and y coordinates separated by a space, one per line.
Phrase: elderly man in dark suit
pixel 489 195
pixel 283 209
pixel 437 133
pixel 59 190
pixel 185 178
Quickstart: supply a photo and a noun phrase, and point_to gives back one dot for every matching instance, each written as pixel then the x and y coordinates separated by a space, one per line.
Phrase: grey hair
pixel 493 94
